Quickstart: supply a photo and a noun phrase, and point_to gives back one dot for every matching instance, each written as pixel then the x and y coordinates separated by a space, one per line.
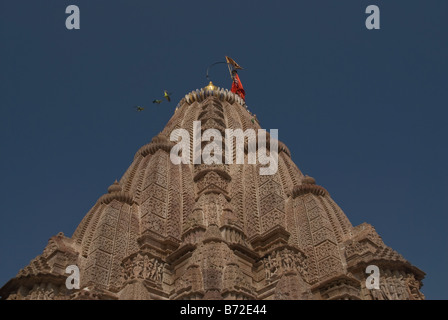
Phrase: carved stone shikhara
pixel 220 231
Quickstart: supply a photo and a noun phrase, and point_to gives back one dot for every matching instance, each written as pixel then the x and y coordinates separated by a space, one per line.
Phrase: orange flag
pixel 237 87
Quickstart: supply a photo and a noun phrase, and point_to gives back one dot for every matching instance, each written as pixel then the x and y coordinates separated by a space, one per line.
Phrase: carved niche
pixel 143 266
pixel 283 261
pixel 397 285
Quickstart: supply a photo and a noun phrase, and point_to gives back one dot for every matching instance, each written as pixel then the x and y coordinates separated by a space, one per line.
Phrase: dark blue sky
pixel 363 112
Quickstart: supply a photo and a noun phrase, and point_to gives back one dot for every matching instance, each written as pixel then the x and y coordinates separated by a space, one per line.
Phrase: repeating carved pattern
pixel 345 224
pixel 294 172
pixel 174 226
pixel 154 223
pixel 237 194
pixel 136 188
pixel 323 234
pixel 244 118
pixel 212 180
pixel 121 244
pixel 272 202
pixel 287 184
pixel 301 204
pixel 313 270
pixel 232 123
pixel 326 249
pixel 130 174
pixel 329 266
pixel 303 227
pixel 275 218
pixel 187 194
pixel 154 197
pixel 234 236
pixel 315 212
pixel 198 231
pixel 291 223
pixel 270 186
pixel 134 230
pixel 356 248
pixel 320 222
pixel 252 223
pixel 154 206
pixel 330 217
pixel 89 234
pixel 80 233
pixel 99 261
pixel 187 123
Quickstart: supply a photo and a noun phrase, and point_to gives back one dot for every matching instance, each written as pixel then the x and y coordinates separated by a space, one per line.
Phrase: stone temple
pixel 218 231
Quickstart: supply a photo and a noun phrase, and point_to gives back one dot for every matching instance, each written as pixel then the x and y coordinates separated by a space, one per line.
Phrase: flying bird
pixel 157 101
pixel 167 95
pixel 139 109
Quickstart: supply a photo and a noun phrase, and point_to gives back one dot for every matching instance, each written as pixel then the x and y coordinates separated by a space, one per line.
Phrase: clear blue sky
pixel 363 112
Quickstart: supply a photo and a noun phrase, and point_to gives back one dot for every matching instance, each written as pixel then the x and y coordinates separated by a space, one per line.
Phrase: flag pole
pixel 230 71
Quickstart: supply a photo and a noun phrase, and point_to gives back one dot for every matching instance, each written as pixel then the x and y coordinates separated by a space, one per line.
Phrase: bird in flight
pixel 167 95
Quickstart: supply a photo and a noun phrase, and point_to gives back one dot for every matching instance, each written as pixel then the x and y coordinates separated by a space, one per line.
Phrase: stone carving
pixel 273 219
pixel 196 218
pixel 142 266
pixel 212 205
pixel 356 248
pixel 234 279
pixel 212 180
pixel 190 281
pixel 233 236
pixel 252 223
pixel 212 278
pixel 342 287
pixel 413 287
pixel 282 261
pixel 329 266
pixel 292 287
pixel 175 203
pixel 225 231
pixel 397 285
